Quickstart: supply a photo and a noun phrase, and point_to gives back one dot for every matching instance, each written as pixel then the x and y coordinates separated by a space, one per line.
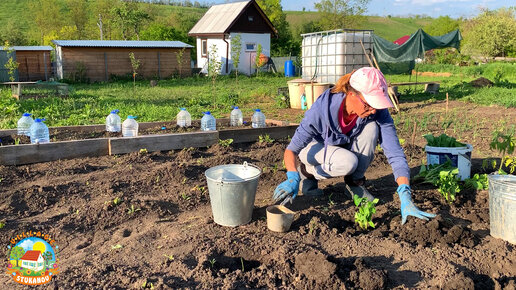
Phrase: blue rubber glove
pixel 408 207
pixel 287 187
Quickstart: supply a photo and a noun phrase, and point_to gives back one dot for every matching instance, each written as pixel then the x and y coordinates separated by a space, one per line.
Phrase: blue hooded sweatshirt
pixel 322 125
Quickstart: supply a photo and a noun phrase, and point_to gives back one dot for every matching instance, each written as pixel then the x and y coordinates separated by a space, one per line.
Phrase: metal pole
pixel 45 64
pixel 159 66
pixel 106 66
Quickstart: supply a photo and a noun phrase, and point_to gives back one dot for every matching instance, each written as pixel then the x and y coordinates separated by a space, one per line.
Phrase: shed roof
pixel 122 43
pixel 219 18
pixel 45 48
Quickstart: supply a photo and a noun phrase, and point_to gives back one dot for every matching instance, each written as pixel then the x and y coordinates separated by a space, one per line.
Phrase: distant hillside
pixel 390 28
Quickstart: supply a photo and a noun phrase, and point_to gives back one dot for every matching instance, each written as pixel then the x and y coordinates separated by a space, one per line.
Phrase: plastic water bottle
pixel 304 104
pixel 258 119
pixel 184 119
pixel 208 122
pixel 130 127
pixel 236 118
pixel 39 132
pixel 113 122
pixel 24 124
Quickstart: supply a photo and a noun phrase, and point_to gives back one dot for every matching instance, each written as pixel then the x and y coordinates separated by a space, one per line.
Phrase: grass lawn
pixel 91 103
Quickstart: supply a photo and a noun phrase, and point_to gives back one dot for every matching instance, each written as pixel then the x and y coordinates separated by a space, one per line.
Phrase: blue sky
pixel 433 8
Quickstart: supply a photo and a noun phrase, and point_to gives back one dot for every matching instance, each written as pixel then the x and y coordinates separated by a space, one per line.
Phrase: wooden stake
pixel 447 101
pixel 413 133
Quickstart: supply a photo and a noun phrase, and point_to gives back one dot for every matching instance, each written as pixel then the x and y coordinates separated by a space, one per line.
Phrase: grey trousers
pixel 351 159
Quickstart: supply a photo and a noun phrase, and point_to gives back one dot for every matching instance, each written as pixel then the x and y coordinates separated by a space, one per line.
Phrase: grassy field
pixel 91 103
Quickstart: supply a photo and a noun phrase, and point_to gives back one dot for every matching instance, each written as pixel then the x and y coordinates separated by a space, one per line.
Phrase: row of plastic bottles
pixel 35 129
pixel 38 131
pixel 209 123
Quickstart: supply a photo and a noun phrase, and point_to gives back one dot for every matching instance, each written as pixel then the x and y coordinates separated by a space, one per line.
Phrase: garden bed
pixel 97 142
pixel 171 241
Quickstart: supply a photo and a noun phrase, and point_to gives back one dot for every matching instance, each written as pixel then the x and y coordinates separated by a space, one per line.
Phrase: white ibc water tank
pixel 331 54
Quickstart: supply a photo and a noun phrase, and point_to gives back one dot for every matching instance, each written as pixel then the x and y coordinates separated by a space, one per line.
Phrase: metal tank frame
pixel 327 66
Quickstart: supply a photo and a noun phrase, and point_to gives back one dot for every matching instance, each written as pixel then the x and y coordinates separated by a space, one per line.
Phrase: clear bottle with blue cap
pixel 130 127
pixel 236 118
pixel 39 132
pixel 113 122
pixel 258 119
pixel 208 122
pixel 24 124
pixel 184 119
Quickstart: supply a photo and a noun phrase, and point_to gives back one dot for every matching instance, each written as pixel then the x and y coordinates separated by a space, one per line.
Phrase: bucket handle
pixel 252 165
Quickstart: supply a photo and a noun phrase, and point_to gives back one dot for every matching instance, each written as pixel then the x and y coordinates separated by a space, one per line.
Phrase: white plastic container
pixel 236 117
pixel 460 157
pixel 183 118
pixel 39 132
pixel 113 122
pixel 208 122
pixel 328 55
pixel 24 124
pixel 130 127
pixel 258 119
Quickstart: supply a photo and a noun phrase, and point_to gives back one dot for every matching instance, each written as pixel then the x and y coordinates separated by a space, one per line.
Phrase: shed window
pixel 250 46
pixel 250 18
pixel 204 47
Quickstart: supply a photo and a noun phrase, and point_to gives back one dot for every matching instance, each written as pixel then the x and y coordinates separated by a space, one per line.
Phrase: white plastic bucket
pixel 232 191
pixel 460 157
pixel 502 207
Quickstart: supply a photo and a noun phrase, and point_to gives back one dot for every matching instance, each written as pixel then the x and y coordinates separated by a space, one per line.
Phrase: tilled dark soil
pixel 169 239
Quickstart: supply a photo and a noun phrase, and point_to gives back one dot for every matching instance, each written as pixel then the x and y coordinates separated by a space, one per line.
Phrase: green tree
pixel 104 9
pixel 258 63
pixel 214 65
pixel 441 25
pixel 130 19
pixel 135 64
pixel 48 258
pixel 180 59
pixel 236 49
pixel 11 65
pixel 47 17
pixel 340 14
pixel 17 253
pixel 492 33
pixel 12 33
pixel 284 43
pixel 78 15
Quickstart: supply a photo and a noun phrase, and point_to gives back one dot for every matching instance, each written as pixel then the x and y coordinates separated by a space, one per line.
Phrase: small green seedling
pixel 478 182
pixel 2 225
pixel 449 184
pixel 225 143
pixel 265 139
pixel 505 144
pixel 117 246
pixel 212 262
pixel 170 257
pixel 17 141
pixel 143 151
pixel 132 209
pixel 366 209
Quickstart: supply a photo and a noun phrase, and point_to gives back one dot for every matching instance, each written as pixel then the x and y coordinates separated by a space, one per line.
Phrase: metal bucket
pixel 502 207
pixel 232 190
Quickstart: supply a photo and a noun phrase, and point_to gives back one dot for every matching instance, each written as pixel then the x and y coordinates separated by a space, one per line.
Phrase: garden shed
pixel 99 60
pixel 34 62
pixel 222 23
